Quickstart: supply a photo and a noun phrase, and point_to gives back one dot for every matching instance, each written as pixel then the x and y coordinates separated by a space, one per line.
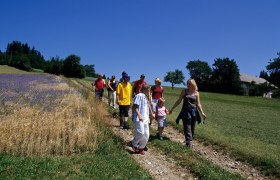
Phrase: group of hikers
pixel 147 103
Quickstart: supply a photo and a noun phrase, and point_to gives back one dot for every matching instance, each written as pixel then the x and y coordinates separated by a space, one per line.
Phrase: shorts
pixel 162 122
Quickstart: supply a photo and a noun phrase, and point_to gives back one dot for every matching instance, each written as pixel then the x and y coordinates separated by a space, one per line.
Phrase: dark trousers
pixel 124 110
pixel 189 126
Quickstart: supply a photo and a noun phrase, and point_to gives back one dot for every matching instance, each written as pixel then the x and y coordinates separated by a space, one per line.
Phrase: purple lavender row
pixel 19 88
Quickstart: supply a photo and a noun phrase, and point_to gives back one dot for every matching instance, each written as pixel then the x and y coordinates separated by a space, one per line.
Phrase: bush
pixel 276 93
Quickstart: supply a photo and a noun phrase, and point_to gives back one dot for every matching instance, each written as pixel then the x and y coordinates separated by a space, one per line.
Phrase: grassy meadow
pixel 247 128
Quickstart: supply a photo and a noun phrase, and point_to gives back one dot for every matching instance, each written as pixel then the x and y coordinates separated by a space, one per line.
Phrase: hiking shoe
pixel 126 125
pixel 142 152
pixel 157 135
pixel 135 149
pixel 145 148
pixel 189 145
pixel 160 138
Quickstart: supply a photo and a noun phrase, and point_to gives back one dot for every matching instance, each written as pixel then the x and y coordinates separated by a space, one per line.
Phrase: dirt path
pixel 218 158
pixel 158 165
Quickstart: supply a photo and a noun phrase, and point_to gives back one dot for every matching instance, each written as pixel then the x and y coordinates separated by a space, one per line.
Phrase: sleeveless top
pixel 113 84
pixel 189 107
pixel 157 92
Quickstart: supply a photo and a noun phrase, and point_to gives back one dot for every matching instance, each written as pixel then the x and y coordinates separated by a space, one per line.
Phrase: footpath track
pixel 162 167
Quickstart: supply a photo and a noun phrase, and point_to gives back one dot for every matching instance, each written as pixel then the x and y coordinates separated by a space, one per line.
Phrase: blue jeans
pixel 99 94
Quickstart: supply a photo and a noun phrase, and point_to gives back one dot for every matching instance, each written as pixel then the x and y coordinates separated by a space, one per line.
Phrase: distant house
pixel 247 82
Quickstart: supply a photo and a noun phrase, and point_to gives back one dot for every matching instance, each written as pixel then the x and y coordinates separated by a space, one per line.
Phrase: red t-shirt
pixel 157 92
pixel 99 84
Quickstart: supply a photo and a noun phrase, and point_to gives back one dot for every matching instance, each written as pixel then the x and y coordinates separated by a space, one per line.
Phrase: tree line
pixel 224 77
pixel 21 56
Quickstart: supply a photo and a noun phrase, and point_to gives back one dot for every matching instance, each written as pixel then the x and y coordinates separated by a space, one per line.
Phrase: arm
pixel 136 109
pixel 109 85
pixel 166 111
pixel 94 86
pixel 178 101
pixel 118 94
pixel 199 106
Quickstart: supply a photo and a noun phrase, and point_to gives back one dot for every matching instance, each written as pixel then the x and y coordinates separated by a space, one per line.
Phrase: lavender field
pixel 44 91
pixel 41 115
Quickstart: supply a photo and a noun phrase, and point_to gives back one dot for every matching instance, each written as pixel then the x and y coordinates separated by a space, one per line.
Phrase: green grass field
pixel 246 127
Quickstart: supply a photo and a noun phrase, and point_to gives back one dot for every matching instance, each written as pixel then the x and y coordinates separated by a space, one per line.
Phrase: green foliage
pixel 90 71
pixel 72 67
pixel 226 77
pixel 54 66
pixel 276 93
pixel 264 75
pixel 175 77
pixel 201 72
pixel 3 59
pixel 259 89
pixel 274 70
pixel 23 57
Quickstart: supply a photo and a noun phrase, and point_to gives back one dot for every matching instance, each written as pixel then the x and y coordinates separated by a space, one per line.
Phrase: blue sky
pixel 146 36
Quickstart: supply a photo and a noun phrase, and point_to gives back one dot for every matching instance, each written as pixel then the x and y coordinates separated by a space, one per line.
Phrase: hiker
pixel 111 88
pixel 160 116
pixel 140 116
pixel 138 85
pixel 189 112
pixel 98 86
pixel 123 73
pixel 124 99
pixel 157 93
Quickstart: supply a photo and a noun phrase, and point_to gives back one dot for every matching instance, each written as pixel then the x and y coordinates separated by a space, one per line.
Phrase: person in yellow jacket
pixel 124 99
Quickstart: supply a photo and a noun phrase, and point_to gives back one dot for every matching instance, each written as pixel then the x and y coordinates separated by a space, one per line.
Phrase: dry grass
pixel 71 128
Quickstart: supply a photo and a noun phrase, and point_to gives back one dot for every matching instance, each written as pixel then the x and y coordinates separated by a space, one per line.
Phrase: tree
pixel 3 59
pixel 72 67
pixel 201 72
pixel 54 66
pixel 176 77
pixel 274 70
pixel 32 58
pixel 226 77
pixel 264 75
pixel 90 71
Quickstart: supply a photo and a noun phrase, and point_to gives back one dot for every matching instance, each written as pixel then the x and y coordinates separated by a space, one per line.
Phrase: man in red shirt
pixel 98 86
pixel 138 85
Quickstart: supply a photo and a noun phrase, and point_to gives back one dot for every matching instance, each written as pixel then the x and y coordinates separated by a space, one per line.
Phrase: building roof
pixel 247 78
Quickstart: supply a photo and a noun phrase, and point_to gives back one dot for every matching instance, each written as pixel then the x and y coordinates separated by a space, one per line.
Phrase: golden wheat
pixel 69 128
